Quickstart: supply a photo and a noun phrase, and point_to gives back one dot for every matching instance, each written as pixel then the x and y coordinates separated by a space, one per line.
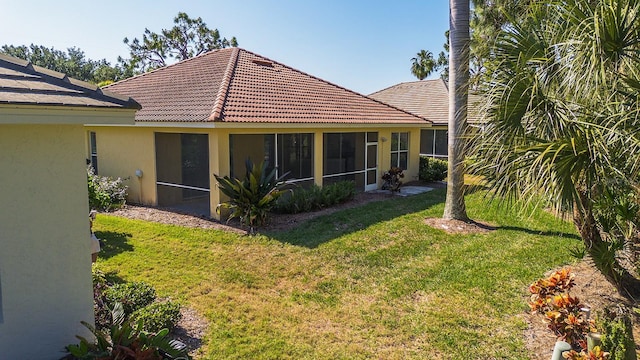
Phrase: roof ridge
pixel 221 97
pixel 408 82
pixel 336 85
pixel 168 66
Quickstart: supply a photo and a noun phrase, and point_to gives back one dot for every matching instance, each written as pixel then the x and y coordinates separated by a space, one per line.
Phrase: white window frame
pixel 433 154
pixel 93 150
pixel 399 150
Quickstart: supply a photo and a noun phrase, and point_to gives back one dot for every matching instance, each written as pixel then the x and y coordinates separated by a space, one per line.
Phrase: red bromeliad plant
pixel 563 312
pixel 392 179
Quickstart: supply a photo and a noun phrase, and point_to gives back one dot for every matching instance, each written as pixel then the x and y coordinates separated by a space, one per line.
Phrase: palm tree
pixel 423 64
pixel 562 121
pixel 459 11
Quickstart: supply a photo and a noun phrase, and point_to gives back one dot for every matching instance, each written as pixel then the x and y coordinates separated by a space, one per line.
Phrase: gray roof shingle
pixel 23 83
pixel 426 98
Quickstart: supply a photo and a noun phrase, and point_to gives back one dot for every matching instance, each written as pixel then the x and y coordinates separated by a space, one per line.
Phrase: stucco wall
pixel 45 263
pixel 123 150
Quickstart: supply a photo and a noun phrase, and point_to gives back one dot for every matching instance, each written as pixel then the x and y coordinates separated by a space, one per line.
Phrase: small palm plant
pixel 125 340
pixel 251 199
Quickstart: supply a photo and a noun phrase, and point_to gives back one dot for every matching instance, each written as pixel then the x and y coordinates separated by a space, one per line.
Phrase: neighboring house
pixel 207 115
pixel 45 260
pixel 428 99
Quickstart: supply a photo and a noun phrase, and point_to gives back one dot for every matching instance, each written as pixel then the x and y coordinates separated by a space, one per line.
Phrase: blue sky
pixel 362 45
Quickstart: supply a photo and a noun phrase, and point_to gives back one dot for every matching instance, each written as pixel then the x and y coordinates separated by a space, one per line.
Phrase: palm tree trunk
pixel 458 94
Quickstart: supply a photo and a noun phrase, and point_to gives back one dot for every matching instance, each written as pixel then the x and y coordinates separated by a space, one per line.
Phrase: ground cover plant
pixel 315 197
pixel 367 282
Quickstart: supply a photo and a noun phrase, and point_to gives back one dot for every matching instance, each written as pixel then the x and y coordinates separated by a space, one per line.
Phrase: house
pixel 208 114
pixel 45 261
pixel 428 99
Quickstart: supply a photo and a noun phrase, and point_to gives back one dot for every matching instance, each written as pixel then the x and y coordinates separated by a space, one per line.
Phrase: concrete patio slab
pixel 406 190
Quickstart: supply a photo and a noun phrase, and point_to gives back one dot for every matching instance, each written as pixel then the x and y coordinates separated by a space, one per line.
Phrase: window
pixel 93 151
pixel 400 150
pixel 434 143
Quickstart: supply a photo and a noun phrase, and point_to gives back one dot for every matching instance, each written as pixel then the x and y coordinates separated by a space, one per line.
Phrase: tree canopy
pixel 562 119
pixel 71 62
pixel 423 64
pixel 187 38
pixel 488 18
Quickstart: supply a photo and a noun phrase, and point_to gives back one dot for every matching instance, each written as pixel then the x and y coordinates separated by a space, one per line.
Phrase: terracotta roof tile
pixel 235 85
pixel 26 84
pixel 426 98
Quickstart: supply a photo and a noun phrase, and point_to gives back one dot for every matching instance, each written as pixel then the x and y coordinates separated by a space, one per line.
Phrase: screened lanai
pixel 182 166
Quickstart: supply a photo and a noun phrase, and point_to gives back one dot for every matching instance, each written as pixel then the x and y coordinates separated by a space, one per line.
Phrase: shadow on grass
pixel 113 278
pixel 320 230
pixel 541 233
pixel 317 231
pixel 113 243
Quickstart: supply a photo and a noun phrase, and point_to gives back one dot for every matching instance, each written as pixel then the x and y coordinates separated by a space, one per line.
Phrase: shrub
pixel 133 296
pixel 105 193
pixel 595 354
pixel 101 310
pixel 337 193
pixel 392 179
pixel 157 316
pixel 617 335
pixel 98 276
pixel 124 341
pixel 315 198
pixel 251 198
pixel 432 169
pixel 563 313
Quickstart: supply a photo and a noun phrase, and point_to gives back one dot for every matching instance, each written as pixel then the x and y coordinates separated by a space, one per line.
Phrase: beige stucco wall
pixel 45 265
pixel 123 150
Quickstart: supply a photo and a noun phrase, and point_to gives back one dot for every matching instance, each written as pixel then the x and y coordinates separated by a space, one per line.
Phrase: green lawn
pixel 368 282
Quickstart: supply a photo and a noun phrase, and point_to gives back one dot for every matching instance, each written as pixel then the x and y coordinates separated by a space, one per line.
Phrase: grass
pixel 367 282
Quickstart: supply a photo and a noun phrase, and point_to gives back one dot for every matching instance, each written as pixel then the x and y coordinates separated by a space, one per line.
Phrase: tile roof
pixel 426 98
pixel 26 84
pixel 236 85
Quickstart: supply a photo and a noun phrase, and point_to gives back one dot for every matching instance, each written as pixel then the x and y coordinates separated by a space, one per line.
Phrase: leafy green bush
pixel 98 276
pixel 157 316
pixel 251 198
pixel 432 169
pixel 337 193
pixel 314 198
pixel 101 310
pixel 105 193
pixel 617 335
pixel 133 296
pixel 124 341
